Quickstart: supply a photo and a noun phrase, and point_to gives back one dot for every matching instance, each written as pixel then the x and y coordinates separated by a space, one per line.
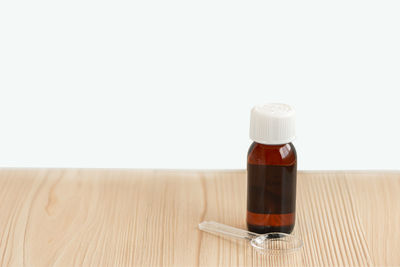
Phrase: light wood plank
pixel 72 217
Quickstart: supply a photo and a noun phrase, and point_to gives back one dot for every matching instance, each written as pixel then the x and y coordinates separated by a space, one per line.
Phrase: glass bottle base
pixel 268 229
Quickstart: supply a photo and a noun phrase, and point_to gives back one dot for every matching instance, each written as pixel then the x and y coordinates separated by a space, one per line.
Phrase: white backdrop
pixel 170 84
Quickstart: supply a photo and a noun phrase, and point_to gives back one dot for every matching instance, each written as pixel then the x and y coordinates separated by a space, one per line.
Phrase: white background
pixel 170 84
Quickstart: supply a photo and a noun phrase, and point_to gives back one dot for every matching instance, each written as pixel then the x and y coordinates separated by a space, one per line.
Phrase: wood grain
pixel 70 217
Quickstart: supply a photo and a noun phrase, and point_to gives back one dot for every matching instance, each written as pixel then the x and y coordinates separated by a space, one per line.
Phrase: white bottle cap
pixel 272 124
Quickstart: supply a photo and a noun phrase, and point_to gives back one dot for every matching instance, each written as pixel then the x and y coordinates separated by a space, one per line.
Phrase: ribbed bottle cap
pixel 272 124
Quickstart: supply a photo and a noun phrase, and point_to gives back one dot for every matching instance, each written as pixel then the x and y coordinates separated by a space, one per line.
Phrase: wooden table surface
pixel 69 217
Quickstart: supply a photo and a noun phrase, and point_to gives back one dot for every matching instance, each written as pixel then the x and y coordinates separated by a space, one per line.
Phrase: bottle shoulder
pixel 261 154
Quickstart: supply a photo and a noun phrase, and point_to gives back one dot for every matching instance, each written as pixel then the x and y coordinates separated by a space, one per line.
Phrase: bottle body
pixel 271 188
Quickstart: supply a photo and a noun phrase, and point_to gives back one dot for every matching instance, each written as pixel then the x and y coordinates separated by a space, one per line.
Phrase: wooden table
pixel 69 217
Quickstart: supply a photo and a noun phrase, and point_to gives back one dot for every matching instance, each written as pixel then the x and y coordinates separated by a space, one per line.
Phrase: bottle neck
pixel 281 154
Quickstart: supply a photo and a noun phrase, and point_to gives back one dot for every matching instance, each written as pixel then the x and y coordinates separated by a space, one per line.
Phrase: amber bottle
pixel 271 170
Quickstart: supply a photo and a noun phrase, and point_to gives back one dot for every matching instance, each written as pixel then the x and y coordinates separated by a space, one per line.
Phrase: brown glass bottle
pixel 271 188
